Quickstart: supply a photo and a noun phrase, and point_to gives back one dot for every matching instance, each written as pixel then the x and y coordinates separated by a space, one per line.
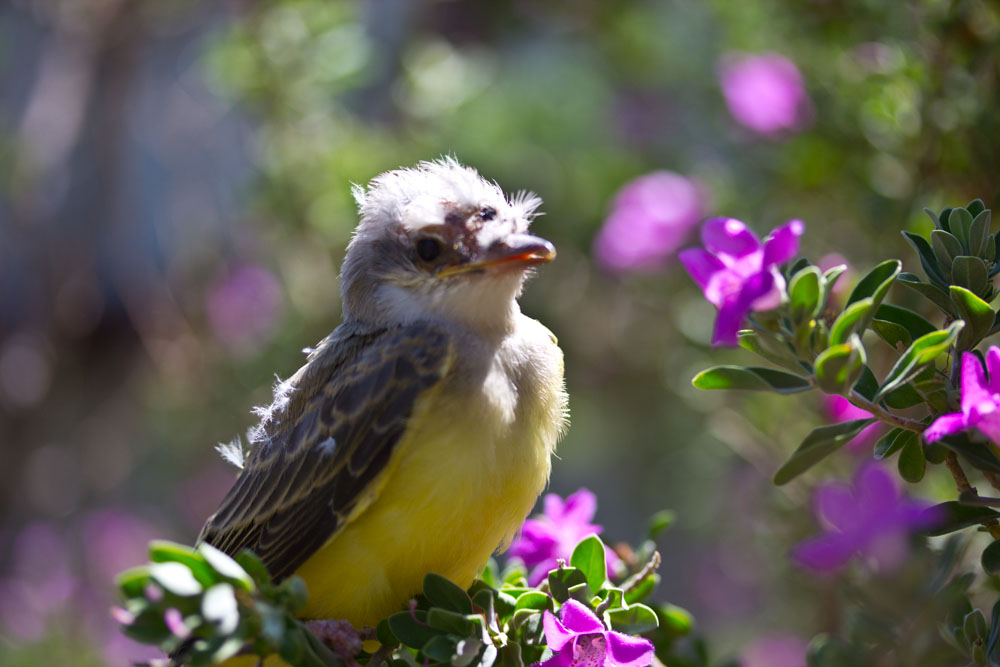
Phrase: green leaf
pixel 675 619
pixel 980 455
pixel 164 551
pixel 659 522
pixel 877 283
pixel 936 295
pixel 449 621
pixel 979 234
pixel 946 247
pixel 819 444
pixel 383 633
pixel 977 314
pixel 952 515
pixel 562 579
pixel 536 600
pixel 921 352
pixel 991 558
pixel 443 593
pixel 641 591
pixel 840 366
pixel 440 648
pixel 912 463
pixel 960 223
pixel 589 558
pixel 218 605
pixel 175 578
pixel 226 567
pixel 411 628
pixel 970 272
pixel 851 320
pixel 887 445
pixel 132 582
pixel 914 324
pixel 254 566
pixel 750 378
pixel 867 384
pixel 803 294
pixel 633 620
pixel 903 396
pixel 975 207
pixel 895 335
pixel 767 347
pixel 927 259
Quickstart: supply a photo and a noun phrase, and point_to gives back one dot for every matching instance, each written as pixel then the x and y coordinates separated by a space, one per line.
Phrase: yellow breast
pixel 466 473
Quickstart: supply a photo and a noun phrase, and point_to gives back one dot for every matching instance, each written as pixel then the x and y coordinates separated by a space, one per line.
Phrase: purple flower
pixel 737 273
pixel 871 518
pixel 839 409
pixel 764 92
pixel 581 640
pixel 243 308
pixel 650 218
pixel 775 651
pixel 556 533
pixel 980 400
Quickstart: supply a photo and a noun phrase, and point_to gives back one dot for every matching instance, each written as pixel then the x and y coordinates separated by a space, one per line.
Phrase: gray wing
pixel 328 446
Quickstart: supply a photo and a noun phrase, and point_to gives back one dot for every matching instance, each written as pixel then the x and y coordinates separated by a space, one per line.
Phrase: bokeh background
pixel 175 200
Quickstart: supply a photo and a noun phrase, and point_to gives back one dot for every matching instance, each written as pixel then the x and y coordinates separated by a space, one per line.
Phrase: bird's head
pixel 439 241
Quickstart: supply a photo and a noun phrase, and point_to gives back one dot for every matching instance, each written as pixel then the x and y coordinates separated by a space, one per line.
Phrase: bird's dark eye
pixel 428 249
pixel 488 213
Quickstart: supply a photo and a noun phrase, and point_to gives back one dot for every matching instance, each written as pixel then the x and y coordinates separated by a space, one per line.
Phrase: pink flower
pixel 980 400
pixel 739 274
pixel 869 518
pixel 581 640
pixel 775 651
pixel 839 409
pixel 556 533
pixel 765 93
pixel 651 217
pixel 243 308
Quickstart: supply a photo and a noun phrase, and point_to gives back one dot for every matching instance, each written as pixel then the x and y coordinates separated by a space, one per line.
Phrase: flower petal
pixel 561 659
pixel 579 619
pixel 556 634
pixel 945 425
pixel 989 425
pixel 728 236
pixel 824 553
pixel 580 507
pixel 875 490
pixel 734 311
pixel 974 389
pixel 625 651
pixel 836 505
pixel 701 265
pixel 554 507
pixel 993 366
pixel 782 243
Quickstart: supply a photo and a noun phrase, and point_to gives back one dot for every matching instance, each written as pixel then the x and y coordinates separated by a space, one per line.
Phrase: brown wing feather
pixel 328 441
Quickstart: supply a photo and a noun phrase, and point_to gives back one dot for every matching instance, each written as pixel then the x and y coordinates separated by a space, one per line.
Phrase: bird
pixel 418 434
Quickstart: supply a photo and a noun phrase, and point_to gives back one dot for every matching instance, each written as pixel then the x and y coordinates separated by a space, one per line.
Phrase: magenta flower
pixel 839 409
pixel 765 93
pixel 556 533
pixel 980 400
pixel 739 274
pixel 581 640
pixel 243 308
pixel 650 218
pixel 870 518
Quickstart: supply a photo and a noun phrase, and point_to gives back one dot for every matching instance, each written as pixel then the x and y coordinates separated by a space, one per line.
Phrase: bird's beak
pixel 515 251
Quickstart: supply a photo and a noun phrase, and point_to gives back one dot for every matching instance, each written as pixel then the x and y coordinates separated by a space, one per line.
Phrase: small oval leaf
pixel 750 378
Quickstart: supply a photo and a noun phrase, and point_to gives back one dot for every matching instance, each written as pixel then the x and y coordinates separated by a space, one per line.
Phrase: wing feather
pixel 319 456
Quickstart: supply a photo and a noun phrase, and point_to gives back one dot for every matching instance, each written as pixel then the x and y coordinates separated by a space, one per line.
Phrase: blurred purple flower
pixel 775 651
pixel 764 92
pixel 980 400
pixel 114 540
pixel 555 534
pixel 581 640
pixel 243 308
pixel 843 285
pixel 839 409
pixel 871 518
pixel 739 274
pixel 650 218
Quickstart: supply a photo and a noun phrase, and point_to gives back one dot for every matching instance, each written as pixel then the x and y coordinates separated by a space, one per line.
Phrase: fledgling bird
pixel 418 435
